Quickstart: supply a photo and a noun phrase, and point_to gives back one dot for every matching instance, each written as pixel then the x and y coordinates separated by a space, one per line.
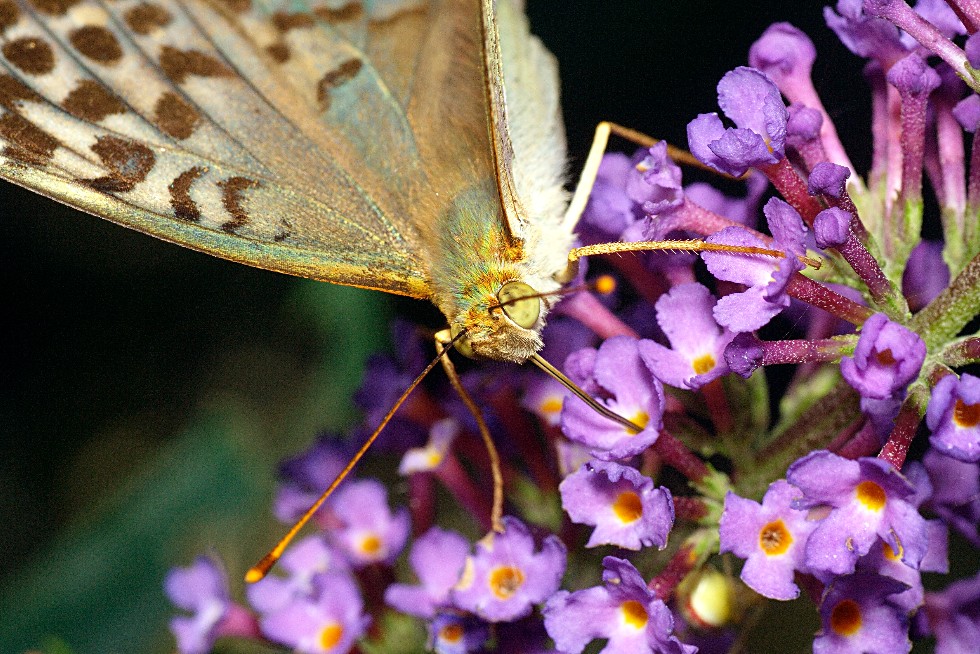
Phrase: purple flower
pixel 953 415
pixel 202 589
pixel 883 560
pixel 302 562
pixel 766 277
pixel 624 611
pixel 696 355
pixel 858 618
pixel 624 385
pixel 506 575
pixel 369 532
pixel 753 103
pixel 431 455
pixel 328 622
pixel 863 500
pixel 831 227
pixel 784 54
pixel 956 493
pixel 771 537
pixel 437 557
pixel 953 616
pixel 887 359
pixel 544 397
pixel 457 634
pixel 926 274
pixel 306 475
pixel 828 179
pixel 624 506
pixel 611 211
pixel 658 188
pixel 864 35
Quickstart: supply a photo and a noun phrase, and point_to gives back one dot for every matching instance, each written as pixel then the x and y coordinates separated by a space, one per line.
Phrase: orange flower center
pixel 966 415
pixel 505 580
pixel 871 495
pixel 551 405
pixel 330 635
pixel 451 633
pixel 774 538
pixel 640 419
pixel 704 363
pixel 628 507
pixel 371 545
pixel 634 614
pixel 845 618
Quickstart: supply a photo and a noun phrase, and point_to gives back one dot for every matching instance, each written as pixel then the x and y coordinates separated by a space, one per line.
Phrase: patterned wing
pixel 174 118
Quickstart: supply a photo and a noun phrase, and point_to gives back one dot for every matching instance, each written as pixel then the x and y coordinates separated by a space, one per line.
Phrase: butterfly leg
pixel 443 340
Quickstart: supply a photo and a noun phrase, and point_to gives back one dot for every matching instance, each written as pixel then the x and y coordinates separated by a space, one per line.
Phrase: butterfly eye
pixel 520 302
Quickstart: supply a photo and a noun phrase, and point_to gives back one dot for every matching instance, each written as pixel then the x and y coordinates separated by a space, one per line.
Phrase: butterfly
pixel 404 146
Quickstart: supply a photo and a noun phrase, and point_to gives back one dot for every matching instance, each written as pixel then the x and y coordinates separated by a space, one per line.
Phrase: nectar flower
pixel 771 537
pixel 868 499
pixel 956 493
pixel 437 557
pixel 370 532
pixel 457 634
pixel 506 575
pixel 627 388
pixel 754 104
pixel 697 352
pixel 623 505
pixel 624 611
pixel 953 415
pixel 433 453
pixel 953 616
pixel 766 277
pixel 201 588
pixel 328 622
pixel 302 562
pixel 857 617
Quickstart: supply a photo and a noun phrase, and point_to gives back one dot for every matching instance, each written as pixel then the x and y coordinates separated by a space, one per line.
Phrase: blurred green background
pixel 148 391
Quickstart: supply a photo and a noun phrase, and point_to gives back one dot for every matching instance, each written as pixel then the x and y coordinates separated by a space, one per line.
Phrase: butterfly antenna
pixel 261 569
pixel 542 363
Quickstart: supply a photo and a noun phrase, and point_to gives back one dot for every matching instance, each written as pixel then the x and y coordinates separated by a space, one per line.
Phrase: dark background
pixel 148 390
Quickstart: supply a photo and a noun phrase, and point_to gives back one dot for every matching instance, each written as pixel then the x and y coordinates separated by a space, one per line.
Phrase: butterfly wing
pixel 173 119
pixel 528 136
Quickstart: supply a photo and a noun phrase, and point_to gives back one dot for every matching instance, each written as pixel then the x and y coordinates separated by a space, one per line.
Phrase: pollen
pixel 634 614
pixel 703 364
pixel 370 545
pixel 451 634
pixel 551 405
pixel 891 553
pixel 505 581
pixel 331 635
pixel 628 507
pixel 870 495
pixel 966 416
pixel 845 618
pixel 640 418
pixel 774 538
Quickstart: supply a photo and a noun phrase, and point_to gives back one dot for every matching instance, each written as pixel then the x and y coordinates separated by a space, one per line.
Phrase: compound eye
pixel 520 302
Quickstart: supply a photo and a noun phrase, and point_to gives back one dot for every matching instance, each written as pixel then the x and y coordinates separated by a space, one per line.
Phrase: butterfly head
pixel 505 326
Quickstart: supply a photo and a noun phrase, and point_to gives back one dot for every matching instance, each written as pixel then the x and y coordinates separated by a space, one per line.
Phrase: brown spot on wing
pixel 27 142
pixel 285 21
pixel 350 11
pixel 97 43
pixel 129 163
pixel 54 7
pixel 30 54
pixel 334 79
pixel 279 52
pixel 181 64
pixel 12 91
pixel 237 6
pixel 146 17
pixel 9 14
pixel 175 116
pixel 231 197
pixel 180 198
pixel 91 101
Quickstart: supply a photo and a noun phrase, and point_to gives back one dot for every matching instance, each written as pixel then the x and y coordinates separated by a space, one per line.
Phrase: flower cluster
pixel 670 530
